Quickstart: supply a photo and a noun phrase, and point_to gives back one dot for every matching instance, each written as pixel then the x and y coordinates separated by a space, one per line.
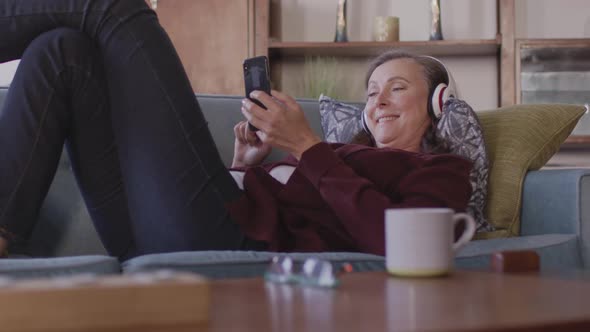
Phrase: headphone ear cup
pixel 442 92
pixel 365 125
pixel 440 95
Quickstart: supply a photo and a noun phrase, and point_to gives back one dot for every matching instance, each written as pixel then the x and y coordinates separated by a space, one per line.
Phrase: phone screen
pixel 256 77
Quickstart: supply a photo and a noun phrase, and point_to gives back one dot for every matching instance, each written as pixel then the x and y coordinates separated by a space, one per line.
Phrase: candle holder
pixel 386 28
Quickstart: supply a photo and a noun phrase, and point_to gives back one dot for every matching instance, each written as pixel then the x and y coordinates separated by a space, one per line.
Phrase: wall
pixel 7 72
pixel 538 19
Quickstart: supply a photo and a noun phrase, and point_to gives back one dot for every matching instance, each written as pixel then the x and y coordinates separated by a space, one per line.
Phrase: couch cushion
pixel 340 121
pixel 50 267
pixel 238 264
pixel 556 201
pixel 518 139
pixel 459 132
pixel 556 251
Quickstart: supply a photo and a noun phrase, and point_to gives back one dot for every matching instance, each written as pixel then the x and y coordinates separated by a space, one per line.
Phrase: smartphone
pixel 256 77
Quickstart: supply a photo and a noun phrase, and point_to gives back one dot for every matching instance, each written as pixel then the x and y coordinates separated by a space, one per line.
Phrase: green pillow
pixel 518 139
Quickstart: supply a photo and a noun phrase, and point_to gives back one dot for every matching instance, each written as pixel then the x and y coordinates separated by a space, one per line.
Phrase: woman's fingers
pixel 245 135
pixel 283 125
pixel 267 100
pixel 250 135
pixel 242 132
pixel 285 99
pixel 238 132
pixel 254 114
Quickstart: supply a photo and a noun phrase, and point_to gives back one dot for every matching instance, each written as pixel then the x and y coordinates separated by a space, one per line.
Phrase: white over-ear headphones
pixel 440 95
pixel 365 125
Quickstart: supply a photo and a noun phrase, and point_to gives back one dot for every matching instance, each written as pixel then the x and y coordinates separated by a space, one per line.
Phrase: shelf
pixel 577 141
pixel 469 47
pixel 547 42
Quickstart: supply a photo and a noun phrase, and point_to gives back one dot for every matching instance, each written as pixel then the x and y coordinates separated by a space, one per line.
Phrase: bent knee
pixel 64 44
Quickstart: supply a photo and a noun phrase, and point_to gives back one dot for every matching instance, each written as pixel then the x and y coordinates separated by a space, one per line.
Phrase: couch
pixel 555 220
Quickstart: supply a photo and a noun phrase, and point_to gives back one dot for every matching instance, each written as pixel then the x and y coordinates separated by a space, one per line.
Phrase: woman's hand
pixel 249 150
pixel 282 125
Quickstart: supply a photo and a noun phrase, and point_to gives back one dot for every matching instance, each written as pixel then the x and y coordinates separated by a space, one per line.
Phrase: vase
pixel 435 25
pixel 341 34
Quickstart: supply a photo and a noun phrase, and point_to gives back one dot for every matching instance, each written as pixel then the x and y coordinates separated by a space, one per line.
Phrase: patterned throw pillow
pixel 458 131
pixel 340 121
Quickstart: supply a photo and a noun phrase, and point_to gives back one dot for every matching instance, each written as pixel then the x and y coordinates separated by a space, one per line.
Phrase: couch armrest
pixel 558 201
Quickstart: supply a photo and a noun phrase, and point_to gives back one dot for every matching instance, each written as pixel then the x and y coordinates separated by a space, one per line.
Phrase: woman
pixel 336 195
pixel 103 77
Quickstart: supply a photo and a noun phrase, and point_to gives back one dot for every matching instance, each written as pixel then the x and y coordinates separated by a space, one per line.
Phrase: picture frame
pixel 555 71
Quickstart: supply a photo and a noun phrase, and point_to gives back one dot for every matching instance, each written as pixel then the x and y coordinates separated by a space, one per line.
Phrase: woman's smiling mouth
pixel 387 118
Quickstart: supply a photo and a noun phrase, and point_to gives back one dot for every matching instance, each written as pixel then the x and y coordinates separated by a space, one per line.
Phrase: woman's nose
pixel 382 99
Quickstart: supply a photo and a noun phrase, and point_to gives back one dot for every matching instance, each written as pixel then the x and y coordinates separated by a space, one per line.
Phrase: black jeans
pixel 103 77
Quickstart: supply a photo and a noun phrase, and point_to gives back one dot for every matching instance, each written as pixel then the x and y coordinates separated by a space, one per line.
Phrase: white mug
pixel 420 241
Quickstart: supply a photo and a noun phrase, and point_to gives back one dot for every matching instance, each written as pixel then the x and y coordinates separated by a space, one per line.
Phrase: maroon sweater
pixel 336 198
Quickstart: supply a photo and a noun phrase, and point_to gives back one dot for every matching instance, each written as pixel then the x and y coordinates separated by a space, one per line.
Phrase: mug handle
pixel 467 233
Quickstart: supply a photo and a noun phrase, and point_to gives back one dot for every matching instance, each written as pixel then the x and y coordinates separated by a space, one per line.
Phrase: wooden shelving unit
pixel 470 47
pixel 577 141
pixel 501 47
pixel 213 63
pixel 504 47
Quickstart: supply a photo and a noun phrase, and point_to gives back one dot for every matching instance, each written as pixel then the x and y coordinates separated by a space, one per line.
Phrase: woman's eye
pixel 398 88
pixel 372 94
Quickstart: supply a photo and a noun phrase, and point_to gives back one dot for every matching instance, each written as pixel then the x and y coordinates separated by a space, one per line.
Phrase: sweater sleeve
pixel 439 181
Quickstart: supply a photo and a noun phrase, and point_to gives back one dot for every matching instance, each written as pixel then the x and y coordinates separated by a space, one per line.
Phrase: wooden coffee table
pixel 466 301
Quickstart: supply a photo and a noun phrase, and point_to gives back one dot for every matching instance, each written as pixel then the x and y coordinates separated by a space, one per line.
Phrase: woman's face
pixel 396 108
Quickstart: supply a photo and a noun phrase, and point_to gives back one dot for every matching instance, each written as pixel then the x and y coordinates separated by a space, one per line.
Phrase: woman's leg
pixel 59 93
pixel 175 181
